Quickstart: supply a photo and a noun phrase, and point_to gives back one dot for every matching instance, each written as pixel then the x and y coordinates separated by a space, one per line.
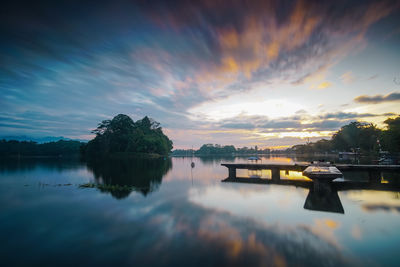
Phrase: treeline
pixel 354 137
pixel 123 136
pixel 357 137
pixel 215 149
pixel 116 136
pixel 14 148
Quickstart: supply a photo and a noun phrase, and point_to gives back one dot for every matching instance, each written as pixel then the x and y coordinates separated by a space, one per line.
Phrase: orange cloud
pixel 229 39
pixel 261 40
pixel 229 64
pixel 324 85
pixel 273 50
pixel 300 26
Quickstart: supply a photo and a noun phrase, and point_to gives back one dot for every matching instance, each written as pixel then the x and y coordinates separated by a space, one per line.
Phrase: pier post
pixel 374 176
pixel 322 186
pixel 275 174
pixel 232 172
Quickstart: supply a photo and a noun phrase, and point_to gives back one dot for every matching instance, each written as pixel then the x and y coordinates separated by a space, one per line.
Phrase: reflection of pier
pixel 374 171
pixel 320 198
pixel 339 186
pixel 324 198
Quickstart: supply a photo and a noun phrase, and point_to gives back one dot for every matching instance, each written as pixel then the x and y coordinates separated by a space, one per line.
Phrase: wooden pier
pixel 374 171
pixel 322 196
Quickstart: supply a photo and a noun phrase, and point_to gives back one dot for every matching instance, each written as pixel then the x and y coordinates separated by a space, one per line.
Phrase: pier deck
pixel 374 171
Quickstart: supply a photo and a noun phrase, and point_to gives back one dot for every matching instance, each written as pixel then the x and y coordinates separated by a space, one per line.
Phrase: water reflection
pixel 122 176
pixel 208 160
pixel 187 223
pixel 9 165
pixel 324 197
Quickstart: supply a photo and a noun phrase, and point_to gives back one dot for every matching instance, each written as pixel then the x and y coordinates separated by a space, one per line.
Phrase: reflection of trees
pixel 122 176
pixel 216 159
pixel 28 164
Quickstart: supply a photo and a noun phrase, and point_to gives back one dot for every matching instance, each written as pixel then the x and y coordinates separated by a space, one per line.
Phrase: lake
pixel 165 213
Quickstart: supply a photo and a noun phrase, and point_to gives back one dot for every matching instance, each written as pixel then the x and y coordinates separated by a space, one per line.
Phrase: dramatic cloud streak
pixel 192 65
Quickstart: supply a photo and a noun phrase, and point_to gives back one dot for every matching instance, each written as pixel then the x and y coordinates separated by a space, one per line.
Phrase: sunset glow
pixel 267 73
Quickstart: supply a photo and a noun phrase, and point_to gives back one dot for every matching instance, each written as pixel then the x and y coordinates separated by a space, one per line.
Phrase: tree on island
pixel 123 135
pixel 210 149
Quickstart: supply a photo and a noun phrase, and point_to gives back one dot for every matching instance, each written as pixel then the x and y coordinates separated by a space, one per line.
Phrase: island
pixel 122 137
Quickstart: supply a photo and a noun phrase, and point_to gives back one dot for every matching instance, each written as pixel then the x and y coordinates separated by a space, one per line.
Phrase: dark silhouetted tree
pixel 122 134
pixel 356 135
pixel 391 137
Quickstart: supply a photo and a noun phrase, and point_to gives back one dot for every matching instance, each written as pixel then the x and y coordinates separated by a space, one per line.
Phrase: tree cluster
pixel 354 137
pixel 122 134
pixel 210 149
pixel 357 137
pixel 14 148
pixel 215 149
pixel 390 138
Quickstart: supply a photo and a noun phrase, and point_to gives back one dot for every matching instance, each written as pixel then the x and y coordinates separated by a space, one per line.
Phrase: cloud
pixel 267 39
pixel 238 125
pixel 314 75
pixel 163 60
pixel 300 121
pixel 351 115
pixel 324 85
pixel 376 99
pixel 347 77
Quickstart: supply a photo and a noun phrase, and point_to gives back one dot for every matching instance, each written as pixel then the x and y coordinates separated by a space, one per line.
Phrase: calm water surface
pixel 172 214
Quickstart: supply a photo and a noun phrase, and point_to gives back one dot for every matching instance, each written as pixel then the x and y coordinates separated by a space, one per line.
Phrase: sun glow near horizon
pixel 270 73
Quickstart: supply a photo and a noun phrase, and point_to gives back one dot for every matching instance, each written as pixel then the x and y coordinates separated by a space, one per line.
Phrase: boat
pixel 253 158
pixel 385 158
pixel 322 171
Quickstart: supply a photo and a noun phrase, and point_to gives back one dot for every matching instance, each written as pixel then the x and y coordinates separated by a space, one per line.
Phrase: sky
pixel 265 73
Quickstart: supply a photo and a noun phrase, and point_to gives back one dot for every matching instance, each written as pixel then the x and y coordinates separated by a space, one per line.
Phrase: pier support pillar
pixel 322 186
pixel 232 172
pixel 275 174
pixel 374 176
